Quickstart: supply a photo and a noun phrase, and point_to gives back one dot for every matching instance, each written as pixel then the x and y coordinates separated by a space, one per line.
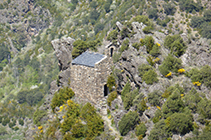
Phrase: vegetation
pixel 176 44
pixel 170 63
pixel 128 122
pixel 61 97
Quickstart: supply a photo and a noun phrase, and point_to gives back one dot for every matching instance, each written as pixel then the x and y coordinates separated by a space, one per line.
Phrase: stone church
pixel 89 72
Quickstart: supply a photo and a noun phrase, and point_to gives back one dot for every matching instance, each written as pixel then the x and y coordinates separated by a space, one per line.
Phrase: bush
pixel 142 69
pixel 98 27
pixel 125 46
pixel 5 121
pixel 150 77
pixel 136 45
pixel 129 97
pixel 173 104
pixel 154 98
pixel 155 52
pixel 148 41
pixel 80 46
pixel 21 122
pixel 125 90
pixel 202 75
pixel 111 82
pixel 128 122
pixel 170 63
pixel 144 19
pixel 141 130
pixel 111 97
pixel 176 44
pixel 152 13
pixel 38 115
pixel 160 131
pixel 180 123
pixel 142 106
pixel 169 8
pixel 125 33
pixel 61 97
pixel 116 57
pixel 190 6
pixel 112 36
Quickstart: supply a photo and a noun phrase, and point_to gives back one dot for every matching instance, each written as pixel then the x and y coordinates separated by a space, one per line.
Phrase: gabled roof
pixel 88 59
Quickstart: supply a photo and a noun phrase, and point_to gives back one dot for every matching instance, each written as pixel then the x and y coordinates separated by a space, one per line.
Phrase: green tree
pixel 125 90
pixel 141 130
pixel 169 8
pixel 128 122
pixel 80 46
pixel 111 82
pixel 143 68
pixel 180 123
pixel 152 12
pixel 160 131
pixel 173 104
pixel 170 63
pixel 150 77
pixel 154 98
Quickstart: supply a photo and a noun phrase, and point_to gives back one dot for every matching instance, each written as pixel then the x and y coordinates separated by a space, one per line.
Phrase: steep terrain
pixel 161 68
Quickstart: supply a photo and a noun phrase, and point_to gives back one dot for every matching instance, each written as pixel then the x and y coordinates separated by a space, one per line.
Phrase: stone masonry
pixel 88 83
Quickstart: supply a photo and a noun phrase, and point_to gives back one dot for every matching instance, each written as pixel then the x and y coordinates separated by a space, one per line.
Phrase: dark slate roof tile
pixel 88 59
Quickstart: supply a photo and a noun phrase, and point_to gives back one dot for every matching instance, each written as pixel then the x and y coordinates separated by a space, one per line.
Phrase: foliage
pixel 144 19
pixel 125 90
pixel 116 57
pixel 111 97
pixel 98 27
pixel 136 45
pixel 124 32
pixel 112 36
pixel 38 115
pixel 128 122
pixel 180 123
pixel 155 52
pixel 190 6
pixel 170 63
pixel 141 130
pixel 129 97
pixel 21 122
pixel 154 98
pixel 169 8
pixel 152 13
pixel 111 82
pixel 176 44
pixel 160 131
pixel 143 68
pixel 173 104
pixel 141 107
pixel 202 75
pixel 149 42
pixel 150 77
pixel 61 97
pixel 125 46
pixel 80 46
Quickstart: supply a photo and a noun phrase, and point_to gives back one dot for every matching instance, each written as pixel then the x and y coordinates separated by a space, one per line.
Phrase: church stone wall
pixel 88 82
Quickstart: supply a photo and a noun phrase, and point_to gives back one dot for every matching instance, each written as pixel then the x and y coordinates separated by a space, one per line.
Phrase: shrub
pixel 150 77
pixel 124 32
pixel 176 44
pixel 190 6
pixel 5 121
pixel 125 90
pixel 142 69
pixel 129 97
pixel 154 98
pixel 142 106
pixel 170 63
pixel 98 27
pixel 38 115
pixel 160 131
pixel 144 19
pixel 116 57
pixel 169 8
pixel 80 46
pixel 173 104
pixel 136 45
pixel 152 13
pixel 155 52
pixel 125 45
pixel 141 130
pixel 180 123
pixel 111 97
pixel 61 97
pixel 21 122
pixel 149 42
pixel 111 82
pixel 128 122
pixel 112 36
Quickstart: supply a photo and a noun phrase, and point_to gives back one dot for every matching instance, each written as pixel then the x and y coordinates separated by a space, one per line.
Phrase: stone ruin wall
pixel 88 82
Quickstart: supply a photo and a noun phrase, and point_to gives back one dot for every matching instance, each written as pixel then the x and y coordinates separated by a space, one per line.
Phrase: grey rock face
pixel 63 48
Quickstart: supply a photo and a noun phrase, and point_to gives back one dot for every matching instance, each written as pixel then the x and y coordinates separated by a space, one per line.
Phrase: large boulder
pixel 63 48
